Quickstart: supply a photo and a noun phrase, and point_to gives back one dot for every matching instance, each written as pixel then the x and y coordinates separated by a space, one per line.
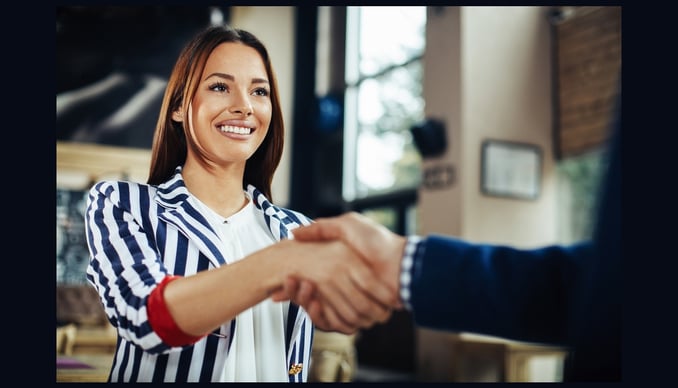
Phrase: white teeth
pixel 238 130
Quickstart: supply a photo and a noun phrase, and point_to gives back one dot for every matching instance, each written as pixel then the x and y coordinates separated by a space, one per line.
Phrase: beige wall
pixel 491 79
pixel 274 26
pixel 487 74
pixel 506 95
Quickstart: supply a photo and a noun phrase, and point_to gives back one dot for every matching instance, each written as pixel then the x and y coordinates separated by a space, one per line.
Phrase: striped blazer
pixel 138 234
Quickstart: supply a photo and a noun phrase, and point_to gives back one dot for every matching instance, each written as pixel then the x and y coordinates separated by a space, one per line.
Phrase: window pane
pixel 383 99
pixel 388 106
pixel 580 178
pixel 412 221
pixel 390 35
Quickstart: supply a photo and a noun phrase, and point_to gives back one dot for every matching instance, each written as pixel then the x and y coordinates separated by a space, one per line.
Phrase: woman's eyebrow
pixel 232 78
pixel 220 75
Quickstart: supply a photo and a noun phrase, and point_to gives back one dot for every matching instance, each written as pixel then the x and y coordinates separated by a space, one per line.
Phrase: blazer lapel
pixel 280 221
pixel 178 211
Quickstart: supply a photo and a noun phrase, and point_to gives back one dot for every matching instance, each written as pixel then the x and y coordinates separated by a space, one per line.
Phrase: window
pixel 381 166
pixel 579 180
pixel 383 99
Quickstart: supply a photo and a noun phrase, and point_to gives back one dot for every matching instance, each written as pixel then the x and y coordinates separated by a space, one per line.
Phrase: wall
pixel 589 72
pixel 506 88
pixel 491 78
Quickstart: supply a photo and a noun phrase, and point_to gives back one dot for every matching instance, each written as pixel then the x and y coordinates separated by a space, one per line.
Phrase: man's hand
pixel 380 248
pixel 332 282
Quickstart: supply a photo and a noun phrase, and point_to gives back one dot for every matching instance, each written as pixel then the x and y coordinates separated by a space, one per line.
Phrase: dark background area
pixel 130 49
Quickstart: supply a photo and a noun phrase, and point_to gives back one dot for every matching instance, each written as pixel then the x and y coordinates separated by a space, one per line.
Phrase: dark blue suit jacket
pixel 559 295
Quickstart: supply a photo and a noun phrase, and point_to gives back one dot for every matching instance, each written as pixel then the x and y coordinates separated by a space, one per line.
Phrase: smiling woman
pixel 219 120
pixel 179 260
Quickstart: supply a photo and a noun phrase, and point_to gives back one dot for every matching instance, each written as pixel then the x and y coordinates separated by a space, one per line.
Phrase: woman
pixel 185 264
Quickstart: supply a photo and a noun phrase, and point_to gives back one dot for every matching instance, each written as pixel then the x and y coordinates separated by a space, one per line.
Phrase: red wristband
pixel 161 320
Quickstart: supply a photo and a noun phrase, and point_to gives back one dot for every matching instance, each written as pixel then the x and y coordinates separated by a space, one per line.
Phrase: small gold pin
pixel 296 368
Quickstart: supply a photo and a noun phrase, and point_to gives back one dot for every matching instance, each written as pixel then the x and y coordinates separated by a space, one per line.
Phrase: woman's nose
pixel 245 109
pixel 242 105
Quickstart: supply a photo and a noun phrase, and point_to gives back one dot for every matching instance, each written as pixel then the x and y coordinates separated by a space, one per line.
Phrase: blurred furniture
pixel 333 358
pixel 480 358
pixel 65 338
pixel 95 340
pixel 85 339
pixel 82 326
pixel 79 304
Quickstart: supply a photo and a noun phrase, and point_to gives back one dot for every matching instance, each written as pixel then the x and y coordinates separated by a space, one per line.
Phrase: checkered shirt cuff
pixel 413 249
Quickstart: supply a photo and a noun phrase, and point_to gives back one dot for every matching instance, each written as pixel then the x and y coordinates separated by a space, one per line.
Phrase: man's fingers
pixel 334 321
pixel 324 229
pixel 375 296
pixel 322 314
pixel 313 232
pixel 377 289
pixel 317 315
pixel 354 307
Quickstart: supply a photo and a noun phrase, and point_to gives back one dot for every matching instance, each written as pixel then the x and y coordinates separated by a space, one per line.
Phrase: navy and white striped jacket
pixel 138 234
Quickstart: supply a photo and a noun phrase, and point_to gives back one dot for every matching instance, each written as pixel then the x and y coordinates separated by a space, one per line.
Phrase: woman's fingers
pixel 306 292
pixel 280 294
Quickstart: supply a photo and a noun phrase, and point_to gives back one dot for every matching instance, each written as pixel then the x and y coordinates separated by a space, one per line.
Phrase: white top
pixel 258 351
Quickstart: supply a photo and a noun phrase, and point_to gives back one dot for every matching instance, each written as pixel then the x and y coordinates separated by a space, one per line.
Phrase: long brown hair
pixel 170 142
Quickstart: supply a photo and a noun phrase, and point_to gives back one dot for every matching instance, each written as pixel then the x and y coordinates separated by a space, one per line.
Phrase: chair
pixel 65 338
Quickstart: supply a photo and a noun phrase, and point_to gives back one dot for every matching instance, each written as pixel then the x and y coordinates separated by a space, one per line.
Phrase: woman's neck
pixel 219 188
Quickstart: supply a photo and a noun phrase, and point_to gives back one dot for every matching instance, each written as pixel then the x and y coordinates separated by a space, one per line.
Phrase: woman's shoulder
pixel 110 186
pixel 118 183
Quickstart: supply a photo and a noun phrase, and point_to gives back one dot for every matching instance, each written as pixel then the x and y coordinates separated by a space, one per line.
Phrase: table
pixel 506 360
pixel 472 358
pixel 83 367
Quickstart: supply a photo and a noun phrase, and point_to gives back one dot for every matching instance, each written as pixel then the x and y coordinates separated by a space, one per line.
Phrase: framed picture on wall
pixel 510 169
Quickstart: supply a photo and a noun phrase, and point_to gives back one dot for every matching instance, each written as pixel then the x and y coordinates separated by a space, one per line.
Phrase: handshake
pixel 344 271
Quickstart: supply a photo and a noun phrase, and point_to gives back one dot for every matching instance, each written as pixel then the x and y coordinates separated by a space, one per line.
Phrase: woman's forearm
pixel 202 302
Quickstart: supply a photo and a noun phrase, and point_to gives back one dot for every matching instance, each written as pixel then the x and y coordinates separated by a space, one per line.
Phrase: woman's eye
pixel 261 92
pixel 219 87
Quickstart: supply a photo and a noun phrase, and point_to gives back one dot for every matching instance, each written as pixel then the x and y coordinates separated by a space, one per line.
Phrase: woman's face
pixel 231 110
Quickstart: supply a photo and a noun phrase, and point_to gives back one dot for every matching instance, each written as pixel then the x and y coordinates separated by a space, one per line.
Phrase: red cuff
pixel 161 320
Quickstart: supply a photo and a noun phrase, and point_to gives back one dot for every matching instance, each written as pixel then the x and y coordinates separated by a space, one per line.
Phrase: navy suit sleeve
pixel 524 295
pixel 564 295
pixel 559 295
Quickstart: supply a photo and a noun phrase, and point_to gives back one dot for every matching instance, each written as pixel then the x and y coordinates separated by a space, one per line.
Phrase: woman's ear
pixel 178 115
